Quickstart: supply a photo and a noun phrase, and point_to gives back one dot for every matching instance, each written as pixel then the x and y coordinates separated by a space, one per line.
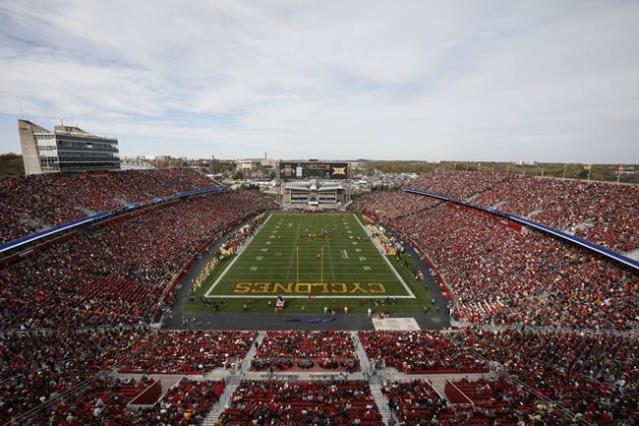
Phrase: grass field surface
pixel 325 255
pixel 328 256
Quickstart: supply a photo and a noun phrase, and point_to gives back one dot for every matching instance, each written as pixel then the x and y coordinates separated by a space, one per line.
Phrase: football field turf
pixel 327 255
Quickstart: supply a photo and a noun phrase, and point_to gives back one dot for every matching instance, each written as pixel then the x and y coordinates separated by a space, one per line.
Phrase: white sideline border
pixel 237 256
pixel 390 265
pixel 208 295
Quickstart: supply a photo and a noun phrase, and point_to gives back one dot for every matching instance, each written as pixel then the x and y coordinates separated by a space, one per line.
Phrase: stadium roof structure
pixel 314 185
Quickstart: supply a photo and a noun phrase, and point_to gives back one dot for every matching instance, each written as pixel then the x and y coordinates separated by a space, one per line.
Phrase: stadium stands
pixel 104 402
pixel 604 213
pixel 417 402
pixel 503 276
pixel 326 350
pixel 419 352
pixel 31 203
pixel 74 317
pixel 188 352
pixel 593 376
pixel 101 277
pixel 298 403
pixel 39 365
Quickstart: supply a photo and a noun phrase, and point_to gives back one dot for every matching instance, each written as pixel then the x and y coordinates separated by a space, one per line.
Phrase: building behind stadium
pixel 314 185
pixel 65 149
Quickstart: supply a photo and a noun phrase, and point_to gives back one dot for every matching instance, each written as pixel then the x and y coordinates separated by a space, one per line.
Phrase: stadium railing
pixel 43 235
pixel 588 245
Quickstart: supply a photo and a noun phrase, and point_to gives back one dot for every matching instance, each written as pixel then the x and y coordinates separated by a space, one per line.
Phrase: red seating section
pixel 36 365
pixel 188 352
pixel 148 396
pixel 304 350
pixel 30 203
pixel 296 403
pixel 601 212
pixel 118 273
pixel 502 276
pixel 102 402
pixel 420 352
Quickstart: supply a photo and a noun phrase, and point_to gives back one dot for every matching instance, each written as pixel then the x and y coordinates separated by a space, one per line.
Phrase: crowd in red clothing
pixel 263 403
pixel 542 378
pixel 103 402
pixel 417 403
pixel 328 350
pixel 37 366
pixel 188 352
pixel 31 203
pixel 458 184
pixel 602 212
pixel 419 352
pixel 504 276
pixel 391 205
pixel 594 376
pixel 116 273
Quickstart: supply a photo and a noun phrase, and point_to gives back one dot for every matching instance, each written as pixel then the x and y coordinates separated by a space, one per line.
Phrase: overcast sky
pixel 476 80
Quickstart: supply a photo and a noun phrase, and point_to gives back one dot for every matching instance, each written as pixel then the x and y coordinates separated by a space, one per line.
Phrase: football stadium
pixel 406 308
pixel 389 261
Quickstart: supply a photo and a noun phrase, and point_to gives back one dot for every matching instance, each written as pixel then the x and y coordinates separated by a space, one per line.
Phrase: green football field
pixel 327 255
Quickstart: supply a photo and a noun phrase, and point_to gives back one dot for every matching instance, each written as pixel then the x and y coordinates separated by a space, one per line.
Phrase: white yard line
pixel 390 265
pixel 303 296
pixel 237 256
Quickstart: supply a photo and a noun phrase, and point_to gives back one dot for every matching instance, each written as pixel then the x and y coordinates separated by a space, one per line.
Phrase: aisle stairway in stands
pixel 246 363
pixel 361 353
pixel 382 403
pixel 219 406
pixel 232 383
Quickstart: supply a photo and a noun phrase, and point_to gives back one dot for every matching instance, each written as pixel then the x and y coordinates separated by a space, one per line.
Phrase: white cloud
pixel 545 80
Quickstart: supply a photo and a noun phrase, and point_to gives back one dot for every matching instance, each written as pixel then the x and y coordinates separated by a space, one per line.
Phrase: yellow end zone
pixel 308 288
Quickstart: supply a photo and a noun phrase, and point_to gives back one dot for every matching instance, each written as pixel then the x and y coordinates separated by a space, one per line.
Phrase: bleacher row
pixel 601 212
pixel 104 402
pixel 73 317
pixel 500 275
pixel 303 350
pixel 298 403
pixel 516 376
pixel 35 202
pixel 117 272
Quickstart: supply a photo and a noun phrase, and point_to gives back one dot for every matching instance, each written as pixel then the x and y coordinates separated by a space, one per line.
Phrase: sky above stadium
pixel 535 80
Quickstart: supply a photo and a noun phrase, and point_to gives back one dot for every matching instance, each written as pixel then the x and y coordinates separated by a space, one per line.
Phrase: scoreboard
pixel 289 170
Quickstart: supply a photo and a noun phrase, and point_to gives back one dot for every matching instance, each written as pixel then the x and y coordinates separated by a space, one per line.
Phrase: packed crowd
pixel 117 272
pixel 302 403
pixel 605 213
pixel 417 403
pixel 537 378
pixel 503 276
pixel 458 184
pixel 419 352
pixel 327 350
pixel 188 352
pixel 390 205
pixel 595 377
pixel 31 203
pixel 103 402
pixel 37 366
